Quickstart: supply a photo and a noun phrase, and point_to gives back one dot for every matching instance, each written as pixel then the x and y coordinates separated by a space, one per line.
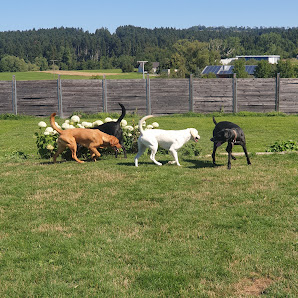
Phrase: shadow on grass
pixel 64 161
pixel 197 163
pixel 132 163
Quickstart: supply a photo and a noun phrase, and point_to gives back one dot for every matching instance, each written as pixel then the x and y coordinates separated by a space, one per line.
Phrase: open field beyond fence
pixel 108 229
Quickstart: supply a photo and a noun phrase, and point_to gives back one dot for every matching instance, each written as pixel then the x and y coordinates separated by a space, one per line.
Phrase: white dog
pixel 170 140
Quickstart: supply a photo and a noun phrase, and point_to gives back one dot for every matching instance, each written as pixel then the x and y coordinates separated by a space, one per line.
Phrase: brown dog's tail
pixel 141 123
pixel 214 121
pixel 53 124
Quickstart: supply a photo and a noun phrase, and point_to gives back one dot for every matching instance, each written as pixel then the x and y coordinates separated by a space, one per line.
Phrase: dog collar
pixel 234 141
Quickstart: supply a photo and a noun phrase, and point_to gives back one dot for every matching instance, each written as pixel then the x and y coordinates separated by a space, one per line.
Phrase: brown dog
pixel 89 138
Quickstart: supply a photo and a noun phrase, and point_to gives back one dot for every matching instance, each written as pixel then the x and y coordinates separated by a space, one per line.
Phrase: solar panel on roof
pixel 250 69
pixel 211 68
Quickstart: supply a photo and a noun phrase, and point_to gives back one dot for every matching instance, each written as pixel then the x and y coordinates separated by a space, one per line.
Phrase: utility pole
pixel 53 65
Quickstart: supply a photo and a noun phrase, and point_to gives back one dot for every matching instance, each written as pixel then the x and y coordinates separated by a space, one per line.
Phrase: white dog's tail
pixel 141 123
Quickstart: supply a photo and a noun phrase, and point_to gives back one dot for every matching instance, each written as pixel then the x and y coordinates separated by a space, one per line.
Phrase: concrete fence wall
pixel 149 96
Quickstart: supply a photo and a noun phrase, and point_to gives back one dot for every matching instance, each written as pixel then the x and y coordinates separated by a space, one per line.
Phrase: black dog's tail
pixel 123 112
pixel 214 121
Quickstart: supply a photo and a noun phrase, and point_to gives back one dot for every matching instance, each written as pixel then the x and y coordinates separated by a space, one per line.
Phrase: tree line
pixel 185 50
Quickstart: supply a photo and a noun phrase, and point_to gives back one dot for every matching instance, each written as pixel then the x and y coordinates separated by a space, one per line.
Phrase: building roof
pixel 258 56
pixel 226 69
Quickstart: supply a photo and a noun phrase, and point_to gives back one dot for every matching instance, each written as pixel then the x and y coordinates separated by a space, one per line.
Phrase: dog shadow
pixel 64 161
pixel 192 164
pixel 132 164
pixel 199 164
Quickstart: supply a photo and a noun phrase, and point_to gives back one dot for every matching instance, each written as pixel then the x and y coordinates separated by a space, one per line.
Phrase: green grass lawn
pixel 36 75
pixel 108 229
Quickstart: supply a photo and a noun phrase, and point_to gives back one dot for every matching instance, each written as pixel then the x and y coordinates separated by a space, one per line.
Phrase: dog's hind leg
pixel 153 149
pixel 141 149
pixel 246 154
pixel 60 149
pixel 72 145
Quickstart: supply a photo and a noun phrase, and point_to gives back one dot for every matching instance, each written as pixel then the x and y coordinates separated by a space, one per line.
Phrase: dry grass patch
pixel 103 176
pixel 53 228
pixel 252 287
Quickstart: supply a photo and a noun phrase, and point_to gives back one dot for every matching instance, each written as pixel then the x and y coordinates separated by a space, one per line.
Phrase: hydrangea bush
pixel 46 137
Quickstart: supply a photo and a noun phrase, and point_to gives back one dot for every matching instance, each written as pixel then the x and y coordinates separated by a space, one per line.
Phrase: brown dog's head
pixel 114 143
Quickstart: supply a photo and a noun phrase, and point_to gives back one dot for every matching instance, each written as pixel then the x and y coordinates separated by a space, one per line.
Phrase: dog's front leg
pixel 94 153
pixel 213 153
pixel 124 151
pixel 175 155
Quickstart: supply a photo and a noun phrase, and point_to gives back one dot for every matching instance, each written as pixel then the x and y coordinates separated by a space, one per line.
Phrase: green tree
pixel 296 70
pixel 148 66
pixel 264 70
pixel 239 68
pixel 285 69
pixel 42 63
pixel 105 63
pixel 193 54
pixel 126 63
pixel 13 64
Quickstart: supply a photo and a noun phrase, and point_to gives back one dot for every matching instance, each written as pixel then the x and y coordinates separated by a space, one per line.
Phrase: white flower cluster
pixel 75 120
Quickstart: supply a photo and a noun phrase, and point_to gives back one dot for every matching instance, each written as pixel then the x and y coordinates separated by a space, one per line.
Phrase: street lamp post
pixel 143 63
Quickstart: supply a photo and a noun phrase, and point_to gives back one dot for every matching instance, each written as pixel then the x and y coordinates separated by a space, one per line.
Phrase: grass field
pixel 108 229
pixel 70 75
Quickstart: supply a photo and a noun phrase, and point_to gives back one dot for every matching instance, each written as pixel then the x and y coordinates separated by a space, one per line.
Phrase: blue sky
pixel 91 14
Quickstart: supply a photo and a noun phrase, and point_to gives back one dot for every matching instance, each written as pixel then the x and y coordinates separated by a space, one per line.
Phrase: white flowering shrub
pixel 46 137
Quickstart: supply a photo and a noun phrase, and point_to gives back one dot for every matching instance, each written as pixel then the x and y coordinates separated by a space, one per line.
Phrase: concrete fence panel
pixel 256 95
pixel 36 98
pixel 213 95
pixel 131 93
pixel 288 99
pixel 6 97
pixel 155 96
pixel 169 96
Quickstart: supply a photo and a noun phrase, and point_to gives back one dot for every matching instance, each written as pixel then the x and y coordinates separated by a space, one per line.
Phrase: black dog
pixel 114 129
pixel 228 132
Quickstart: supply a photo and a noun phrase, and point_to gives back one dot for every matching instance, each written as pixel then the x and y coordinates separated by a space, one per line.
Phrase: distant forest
pixel 188 50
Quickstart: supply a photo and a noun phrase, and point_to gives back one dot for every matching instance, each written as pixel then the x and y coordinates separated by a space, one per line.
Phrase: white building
pixel 272 59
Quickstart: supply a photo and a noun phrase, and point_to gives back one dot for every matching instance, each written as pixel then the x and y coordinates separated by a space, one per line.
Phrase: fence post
pixel 191 93
pixel 60 101
pixel 104 94
pixel 14 96
pixel 148 98
pixel 277 92
pixel 235 103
